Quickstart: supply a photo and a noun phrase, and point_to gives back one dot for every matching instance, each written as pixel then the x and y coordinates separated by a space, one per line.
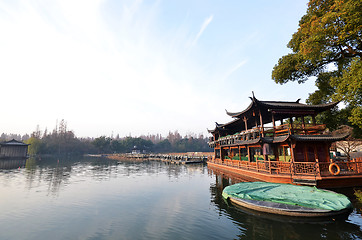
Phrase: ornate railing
pixel 352 167
pixel 305 168
pixel 259 166
pixel 281 130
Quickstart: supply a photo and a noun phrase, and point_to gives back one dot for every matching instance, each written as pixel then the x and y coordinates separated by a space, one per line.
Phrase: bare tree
pixel 350 144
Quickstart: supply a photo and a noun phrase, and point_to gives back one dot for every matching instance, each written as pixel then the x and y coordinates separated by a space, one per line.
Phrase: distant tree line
pixel 62 141
pixel 183 144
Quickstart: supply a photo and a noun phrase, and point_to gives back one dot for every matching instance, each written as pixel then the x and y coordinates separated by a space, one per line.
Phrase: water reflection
pixel 12 163
pixel 92 198
pixel 256 225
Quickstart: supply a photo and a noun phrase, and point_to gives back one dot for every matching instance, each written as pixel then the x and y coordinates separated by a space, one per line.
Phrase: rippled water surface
pixel 105 199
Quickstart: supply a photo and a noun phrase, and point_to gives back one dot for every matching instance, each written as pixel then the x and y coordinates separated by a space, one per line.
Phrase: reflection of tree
pixel 256 225
pixel 59 172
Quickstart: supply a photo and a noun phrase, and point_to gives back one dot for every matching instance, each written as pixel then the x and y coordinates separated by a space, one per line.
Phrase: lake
pixel 92 198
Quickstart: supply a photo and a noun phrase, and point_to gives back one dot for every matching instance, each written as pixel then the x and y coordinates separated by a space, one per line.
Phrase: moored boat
pixel 282 142
pixel 287 199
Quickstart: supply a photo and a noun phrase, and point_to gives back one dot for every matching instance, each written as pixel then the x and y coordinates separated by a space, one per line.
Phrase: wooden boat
pixel 287 199
pixel 297 151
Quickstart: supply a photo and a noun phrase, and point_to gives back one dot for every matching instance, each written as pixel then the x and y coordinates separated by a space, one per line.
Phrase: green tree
pixel 35 145
pixel 102 144
pixel 328 46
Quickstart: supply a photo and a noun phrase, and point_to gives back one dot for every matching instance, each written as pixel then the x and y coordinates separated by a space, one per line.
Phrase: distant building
pixel 135 150
pixel 13 149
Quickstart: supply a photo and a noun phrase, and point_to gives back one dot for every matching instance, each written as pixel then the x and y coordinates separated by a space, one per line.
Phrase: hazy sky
pixel 139 67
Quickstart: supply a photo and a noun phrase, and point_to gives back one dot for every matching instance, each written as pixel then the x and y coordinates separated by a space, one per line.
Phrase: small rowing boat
pixel 287 199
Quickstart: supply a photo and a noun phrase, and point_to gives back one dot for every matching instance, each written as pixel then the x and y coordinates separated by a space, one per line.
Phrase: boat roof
pixel 280 109
pixel 283 107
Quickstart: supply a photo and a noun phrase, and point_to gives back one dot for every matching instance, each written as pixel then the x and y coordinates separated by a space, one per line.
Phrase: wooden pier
pixel 174 158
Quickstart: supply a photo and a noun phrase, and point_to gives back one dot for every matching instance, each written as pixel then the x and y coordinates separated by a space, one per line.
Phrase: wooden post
pixel 303 125
pixel 291 125
pixel 248 148
pixel 246 123
pixel 261 124
pixel 256 120
pixel 317 161
pixel 273 119
pixel 314 121
pixel 292 160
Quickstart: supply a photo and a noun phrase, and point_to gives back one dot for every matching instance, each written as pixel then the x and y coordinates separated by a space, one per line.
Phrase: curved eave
pixel 317 138
pixel 283 105
pixel 276 139
pixel 296 105
pixel 211 131
pixel 238 114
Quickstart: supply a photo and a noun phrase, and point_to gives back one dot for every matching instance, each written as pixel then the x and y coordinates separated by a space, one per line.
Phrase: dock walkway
pixel 175 158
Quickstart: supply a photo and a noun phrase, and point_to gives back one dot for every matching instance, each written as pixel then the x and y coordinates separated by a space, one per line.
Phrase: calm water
pixel 103 199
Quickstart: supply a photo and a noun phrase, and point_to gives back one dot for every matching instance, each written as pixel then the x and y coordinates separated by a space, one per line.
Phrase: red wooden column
pixel 291 125
pixel 318 172
pixel 303 125
pixel 246 123
pixel 273 119
pixel 261 124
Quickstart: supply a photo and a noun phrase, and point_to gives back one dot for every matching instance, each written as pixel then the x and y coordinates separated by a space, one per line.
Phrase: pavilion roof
pixel 280 109
pixel 283 107
pixel 13 142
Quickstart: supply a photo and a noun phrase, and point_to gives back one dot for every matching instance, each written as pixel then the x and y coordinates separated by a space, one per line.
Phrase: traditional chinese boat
pixel 287 199
pixel 281 142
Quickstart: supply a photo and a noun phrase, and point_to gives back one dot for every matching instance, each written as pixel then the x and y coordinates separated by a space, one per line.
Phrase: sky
pixel 134 68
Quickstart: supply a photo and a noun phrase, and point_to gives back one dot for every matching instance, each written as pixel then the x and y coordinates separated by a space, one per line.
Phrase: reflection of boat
pixel 287 199
pixel 254 145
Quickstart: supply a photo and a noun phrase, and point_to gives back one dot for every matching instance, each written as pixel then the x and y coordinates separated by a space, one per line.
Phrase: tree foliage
pixel 173 143
pixel 328 46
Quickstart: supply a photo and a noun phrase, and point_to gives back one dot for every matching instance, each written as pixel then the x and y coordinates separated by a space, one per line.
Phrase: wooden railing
pixel 305 168
pixel 352 167
pixel 281 130
pixel 273 167
pixel 308 129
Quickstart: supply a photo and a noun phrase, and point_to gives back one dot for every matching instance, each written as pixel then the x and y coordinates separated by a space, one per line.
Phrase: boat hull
pixel 287 199
pixel 281 209
pixel 329 182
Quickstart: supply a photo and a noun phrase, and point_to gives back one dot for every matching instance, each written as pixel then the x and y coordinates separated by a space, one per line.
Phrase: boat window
pixel 268 151
pixel 217 153
pixel 235 154
pixel 244 154
pixel 321 152
pixel 226 153
pixel 299 153
pixel 284 153
pixel 256 153
pixel 311 156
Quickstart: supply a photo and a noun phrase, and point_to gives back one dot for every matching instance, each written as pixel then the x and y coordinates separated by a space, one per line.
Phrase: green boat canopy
pixel 303 196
